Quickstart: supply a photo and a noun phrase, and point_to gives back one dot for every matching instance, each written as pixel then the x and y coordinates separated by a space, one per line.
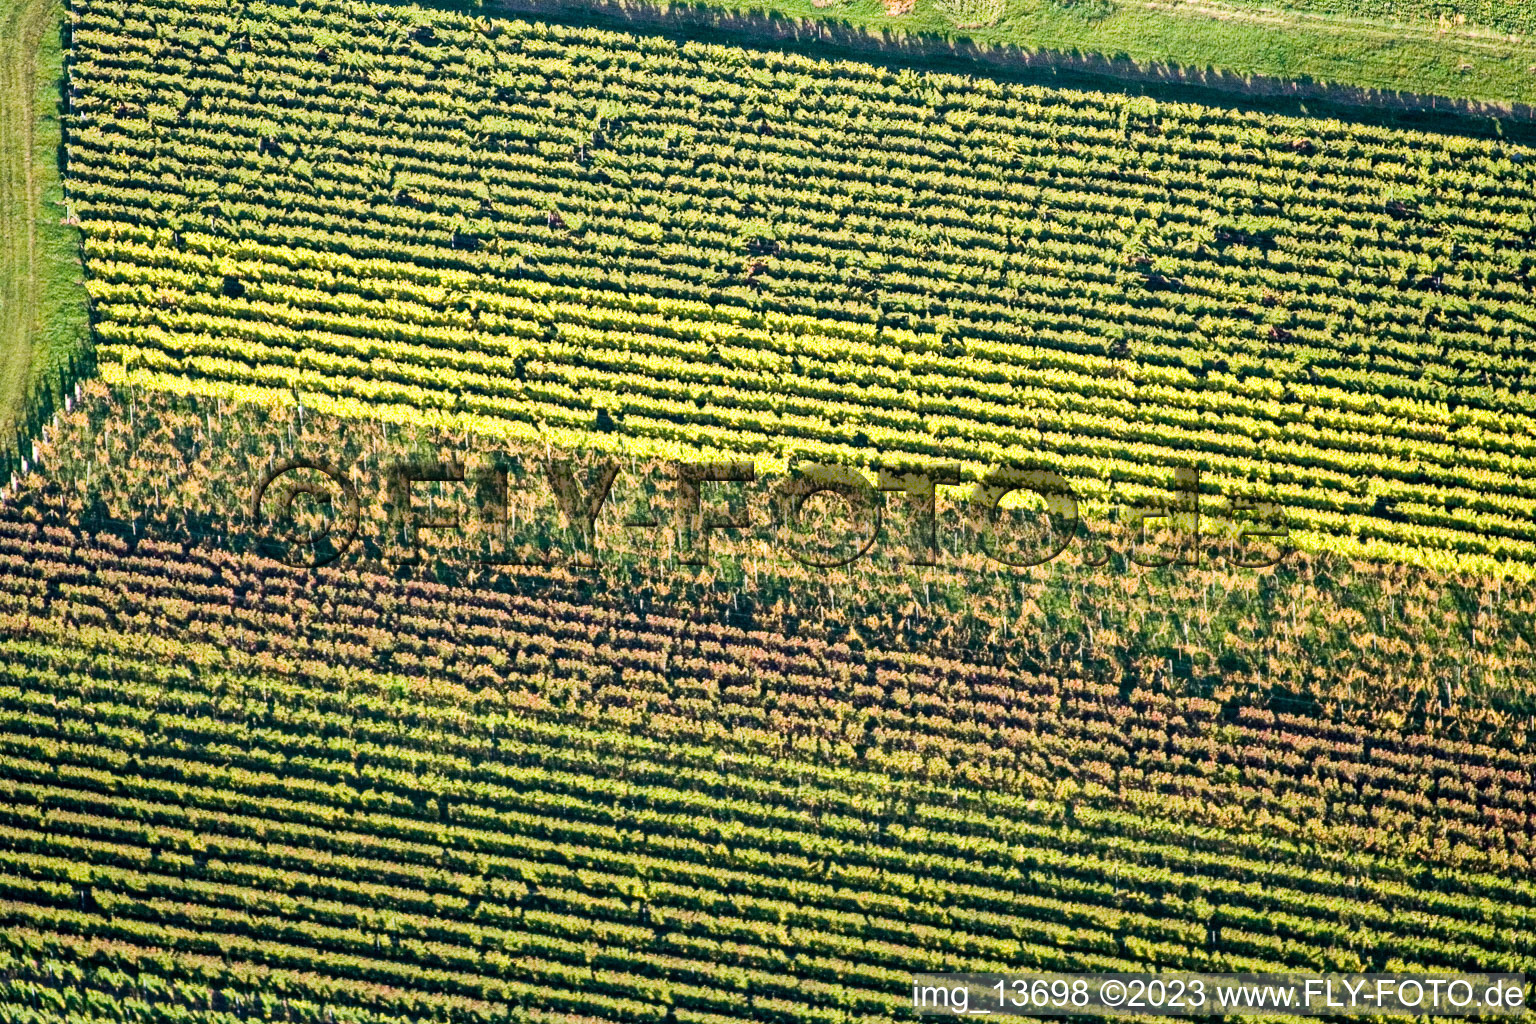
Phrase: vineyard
pixel 488 273
pixel 502 225
pixel 237 788
pixel 1376 645
pixel 233 787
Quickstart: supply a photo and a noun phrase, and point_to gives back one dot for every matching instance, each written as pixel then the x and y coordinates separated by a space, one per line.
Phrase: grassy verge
pixel 43 320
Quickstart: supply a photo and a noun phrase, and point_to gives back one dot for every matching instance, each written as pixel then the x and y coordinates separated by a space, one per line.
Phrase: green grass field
pixel 43 321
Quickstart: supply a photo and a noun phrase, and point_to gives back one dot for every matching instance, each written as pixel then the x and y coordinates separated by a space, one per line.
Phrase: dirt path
pixel 22 25
pixel 1469 37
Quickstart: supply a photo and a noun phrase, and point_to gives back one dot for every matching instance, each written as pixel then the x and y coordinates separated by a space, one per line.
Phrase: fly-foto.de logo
pixel 577 509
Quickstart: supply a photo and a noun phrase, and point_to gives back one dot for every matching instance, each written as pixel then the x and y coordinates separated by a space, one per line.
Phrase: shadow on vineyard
pixel 44 403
